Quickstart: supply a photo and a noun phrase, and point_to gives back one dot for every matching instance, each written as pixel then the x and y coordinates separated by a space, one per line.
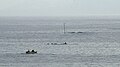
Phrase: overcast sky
pixel 59 7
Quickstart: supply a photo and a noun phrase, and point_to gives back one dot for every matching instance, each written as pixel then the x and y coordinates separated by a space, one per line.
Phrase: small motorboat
pixel 65 43
pixel 31 52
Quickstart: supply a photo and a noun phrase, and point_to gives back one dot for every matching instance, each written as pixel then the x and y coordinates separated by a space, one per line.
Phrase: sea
pixel 91 41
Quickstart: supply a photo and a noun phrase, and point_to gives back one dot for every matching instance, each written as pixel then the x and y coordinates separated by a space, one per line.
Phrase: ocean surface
pixel 90 42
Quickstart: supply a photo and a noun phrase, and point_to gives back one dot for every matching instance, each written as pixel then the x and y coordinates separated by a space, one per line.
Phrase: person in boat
pixel 28 51
pixel 32 51
pixel 65 43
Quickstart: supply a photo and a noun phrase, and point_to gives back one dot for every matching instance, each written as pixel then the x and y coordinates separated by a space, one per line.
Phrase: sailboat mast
pixel 64 29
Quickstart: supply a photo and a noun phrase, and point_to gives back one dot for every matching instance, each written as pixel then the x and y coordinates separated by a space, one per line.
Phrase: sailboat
pixel 64 29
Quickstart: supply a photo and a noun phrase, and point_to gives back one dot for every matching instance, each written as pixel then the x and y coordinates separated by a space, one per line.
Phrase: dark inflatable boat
pixel 31 52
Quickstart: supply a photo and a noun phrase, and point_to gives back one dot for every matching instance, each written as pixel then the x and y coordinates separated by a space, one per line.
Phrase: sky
pixel 59 7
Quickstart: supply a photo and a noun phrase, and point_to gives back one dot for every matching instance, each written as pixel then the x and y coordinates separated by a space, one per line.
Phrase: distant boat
pixel 71 32
pixel 31 52
pixel 65 43
pixel 75 32
pixel 79 32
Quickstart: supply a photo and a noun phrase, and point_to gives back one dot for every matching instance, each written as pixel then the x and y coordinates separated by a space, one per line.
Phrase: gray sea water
pixel 97 46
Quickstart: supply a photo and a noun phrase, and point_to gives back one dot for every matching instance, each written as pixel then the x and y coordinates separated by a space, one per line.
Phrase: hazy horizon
pixel 58 20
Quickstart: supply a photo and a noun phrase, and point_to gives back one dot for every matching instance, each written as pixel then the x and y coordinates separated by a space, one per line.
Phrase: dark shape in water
pixel 31 52
pixel 79 32
pixel 65 43
pixel 71 32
